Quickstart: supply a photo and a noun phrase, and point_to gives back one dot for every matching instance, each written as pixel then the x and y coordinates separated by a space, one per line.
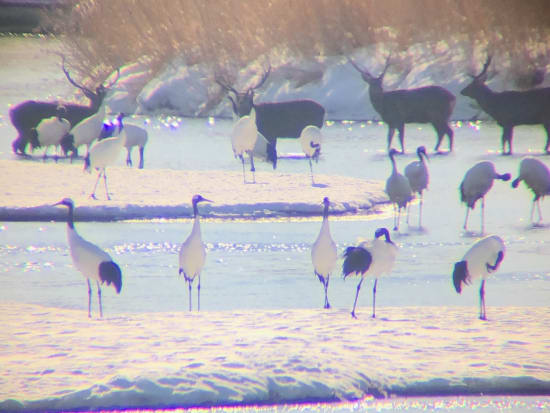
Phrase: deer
pixel 27 115
pixel 428 104
pixel 275 119
pixel 511 107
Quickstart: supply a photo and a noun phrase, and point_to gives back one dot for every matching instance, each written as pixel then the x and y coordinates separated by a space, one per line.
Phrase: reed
pixel 228 34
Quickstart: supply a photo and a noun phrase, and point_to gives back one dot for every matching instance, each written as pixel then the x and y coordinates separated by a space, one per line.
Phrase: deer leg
pixel 129 157
pixel 401 130
pixel 391 131
pixel 466 219
pixel 440 134
pixel 547 147
pixel 272 151
pixel 507 138
pixel 451 135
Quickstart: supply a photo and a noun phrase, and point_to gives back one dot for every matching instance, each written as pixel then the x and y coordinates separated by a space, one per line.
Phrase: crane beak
pixel 206 200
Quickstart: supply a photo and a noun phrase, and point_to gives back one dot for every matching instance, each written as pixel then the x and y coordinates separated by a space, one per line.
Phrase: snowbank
pixel 59 359
pixel 330 80
pixel 29 189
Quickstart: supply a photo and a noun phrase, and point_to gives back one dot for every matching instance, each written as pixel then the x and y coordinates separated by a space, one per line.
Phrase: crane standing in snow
pixel 481 260
pixel 536 176
pixel 193 253
pixel 54 131
pixel 375 258
pixel 477 181
pixel 243 140
pixel 324 253
pixel 90 260
pixel 105 153
pixel 419 177
pixel 398 189
pixel 311 138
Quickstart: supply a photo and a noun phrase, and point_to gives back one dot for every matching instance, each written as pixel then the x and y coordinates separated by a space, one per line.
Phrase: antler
pixel 262 80
pixel 485 66
pixel 81 87
pixel 114 81
pixel 225 85
pixel 364 72
pixel 386 66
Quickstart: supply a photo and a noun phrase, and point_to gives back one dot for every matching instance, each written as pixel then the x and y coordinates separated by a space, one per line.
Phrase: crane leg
pixel 482 314
pixel 199 294
pixel 374 298
pixel 105 181
pixel 311 171
pixel 327 305
pixel 252 168
pixel 244 176
pixel 356 295
pixel 128 157
pixel 539 210
pixel 482 215
pixel 99 299
pixel 141 159
pixel 420 210
pixel 189 283
pixel 89 299
pixel 466 219
pixel 92 195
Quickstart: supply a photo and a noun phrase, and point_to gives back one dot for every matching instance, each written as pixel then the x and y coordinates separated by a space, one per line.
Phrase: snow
pixel 30 188
pixel 59 359
pixel 329 80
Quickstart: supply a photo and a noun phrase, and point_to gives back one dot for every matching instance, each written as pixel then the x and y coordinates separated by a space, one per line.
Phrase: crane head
pixel 460 275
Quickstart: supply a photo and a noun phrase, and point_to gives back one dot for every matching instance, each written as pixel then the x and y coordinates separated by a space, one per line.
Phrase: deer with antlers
pixel 428 104
pixel 511 108
pixel 28 114
pixel 275 119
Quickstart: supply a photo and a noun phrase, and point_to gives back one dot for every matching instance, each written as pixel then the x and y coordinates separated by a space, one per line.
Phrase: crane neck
pixel 394 166
pixel 325 213
pixel 70 217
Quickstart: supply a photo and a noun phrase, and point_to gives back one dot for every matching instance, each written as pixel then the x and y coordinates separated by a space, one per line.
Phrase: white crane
pixel 88 129
pixel 311 139
pixel 105 153
pixel 371 258
pixel 90 260
pixel 54 131
pixel 324 253
pixel 193 253
pixel 536 176
pixel 481 260
pixel 243 140
pixel 135 136
pixel 419 177
pixel 398 189
pixel 477 181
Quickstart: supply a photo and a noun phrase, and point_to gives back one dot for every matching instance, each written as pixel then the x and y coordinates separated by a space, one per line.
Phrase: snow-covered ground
pixel 59 359
pixel 30 188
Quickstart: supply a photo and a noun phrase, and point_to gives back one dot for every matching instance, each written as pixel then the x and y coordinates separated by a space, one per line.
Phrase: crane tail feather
pixel 356 260
pixel 460 275
pixel 110 273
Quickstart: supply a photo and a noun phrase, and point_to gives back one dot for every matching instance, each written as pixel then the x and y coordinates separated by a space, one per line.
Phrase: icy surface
pixel 60 359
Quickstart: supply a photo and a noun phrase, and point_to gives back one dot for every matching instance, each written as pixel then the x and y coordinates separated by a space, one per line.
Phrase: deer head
pixel 374 82
pixel 96 98
pixel 244 101
pixel 477 80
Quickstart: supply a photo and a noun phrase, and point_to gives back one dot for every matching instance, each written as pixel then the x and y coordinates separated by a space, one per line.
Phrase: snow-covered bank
pixel 59 359
pixel 28 190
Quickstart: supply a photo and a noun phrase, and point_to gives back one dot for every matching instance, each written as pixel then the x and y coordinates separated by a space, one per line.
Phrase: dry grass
pixel 228 34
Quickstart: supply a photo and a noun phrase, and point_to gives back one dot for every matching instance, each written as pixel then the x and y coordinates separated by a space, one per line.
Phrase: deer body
pixel 428 104
pixel 511 108
pixel 26 116
pixel 276 119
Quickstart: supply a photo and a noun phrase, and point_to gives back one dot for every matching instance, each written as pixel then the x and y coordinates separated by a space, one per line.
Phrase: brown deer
pixel 27 115
pixel 276 119
pixel 511 108
pixel 428 104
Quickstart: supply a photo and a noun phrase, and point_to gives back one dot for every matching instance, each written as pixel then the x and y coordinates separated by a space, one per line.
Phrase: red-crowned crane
pixel 90 260
pixel 419 177
pixel 481 260
pixel 105 153
pixel 536 176
pixel 398 189
pixel 324 253
pixel 370 258
pixel 243 140
pixel 88 129
pixel 477 181
pixel 54 131
pixel 311 139
pixel 193 253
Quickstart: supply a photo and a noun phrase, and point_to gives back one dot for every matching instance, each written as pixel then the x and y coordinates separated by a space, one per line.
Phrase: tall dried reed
pixel 227 34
